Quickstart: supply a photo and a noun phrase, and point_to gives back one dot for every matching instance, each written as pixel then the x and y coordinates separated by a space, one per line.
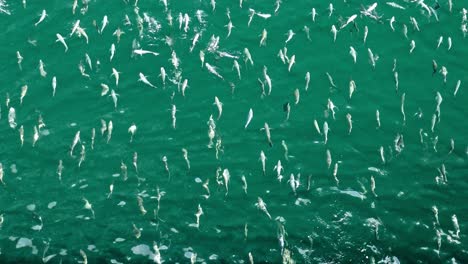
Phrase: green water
pixel 346 222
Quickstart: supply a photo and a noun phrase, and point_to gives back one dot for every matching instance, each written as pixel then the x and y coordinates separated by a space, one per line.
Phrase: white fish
pixel 350 122
pixel 264 38
pixel 237 67
pixel 132 130
pixel 307 79
pixel 314 14
pixel 392 20
pixel 212 69
pixel 457 87
pixel 279 168
pixel 88 61
pixel 110 127
pixel 249 118
pixel 184 86
pixel 75 27
pixel 115 73
pixel 350 20
pixel 267 79
pixel 112 51
pixel 456 226
pixel 226 177
pixel 297 96
pixel 54 85
pixel 82 32
pixel 372 58
pixel 20 59
pixel 331 107
pixel 405 30
pixel 174 60
pixel 105 21
pixel 366 32
pixel 450 5
pixel 163 76
pixel 202 57
pixel 330 79
pixel 325 131
pixel 439 42
pixel 194 41
pixel 449 43
pixel 142 52
pixel 24 90
pixel 328 158
pixel 290 36
pixel 266 127
pixel 248 57
pixel 292 61
pixel 352 88
pixel 262 206
pixel 353 53
pixel 415 23
pixel 251 15
pixel 185 154
pixel 382 154
pixel 444 73
pixel 377 117
pixel 75 5
pixel 334 31
pixel 105 89
pixel 395 5
pixel 62 40
pixel 395 78
pixel 143 79
pixel 263 160
pixel 76 139
pixel 229 26
pixel 114 97
pixel 262 15
pixel 12 117
pixel 219 105
pixel 412 46
pixel 317 127
pixel 41 69
pixel 43 16
pixel 173 115
pixel 21 134
pixel 330 9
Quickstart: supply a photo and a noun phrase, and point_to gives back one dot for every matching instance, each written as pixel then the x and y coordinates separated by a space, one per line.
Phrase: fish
pixel 287 110
pixel 229 26
pixel 264 37
pixel 334 31
pixel 307 79
pixel 20 59
pixel 247 56
pixel 194 41
pixel 54 85
pixel 350 123
pixel 297 96
pixel 314 14
pixel 75 141
pixel 263 160
pixel 21 134
pixel 377 117
pixel 114 98
pixel 353 53
pixel 249 118
pixel 330 79
pixel 143 79
pixel 330 9
pixel 219 105
pixel 415 23
pixel 237 67
pixel 449 43
pixel 43 16
pixel 328 158
pixel 163 76
pixel 132 130
pixel 267 79
pixel 62 40
pixel 104 23
pixel 325 132
pixel 173 115
pixel 279 168
pixel 292 61
pixel 317 127
pixel 142 52
pixel 112 51
pixel 41 69
pixel 439 41
pixel 105 89
pixel 266 127
pixel 115 73
pixel 372 58
pixel 352 88
pixel 12 117
pixel 24 90
pixel 457 86
pixel 212 69
pixel 350 20
pixel 184 86
pixel 262 206
pixel 290 36
pixel 202 57
pixel 110 127
pixel 118 33
pixel 366 32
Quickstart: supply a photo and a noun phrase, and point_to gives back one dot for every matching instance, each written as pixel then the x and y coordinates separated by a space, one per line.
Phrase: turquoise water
pixel 328 219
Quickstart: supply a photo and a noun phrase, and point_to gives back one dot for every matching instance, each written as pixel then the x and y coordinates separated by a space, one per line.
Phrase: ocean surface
pixel 351 187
